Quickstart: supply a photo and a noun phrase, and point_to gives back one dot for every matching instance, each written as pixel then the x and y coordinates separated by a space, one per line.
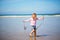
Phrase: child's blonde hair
pixel 35 15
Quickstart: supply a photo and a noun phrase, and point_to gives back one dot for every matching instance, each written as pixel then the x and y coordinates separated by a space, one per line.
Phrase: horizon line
pixel 25 14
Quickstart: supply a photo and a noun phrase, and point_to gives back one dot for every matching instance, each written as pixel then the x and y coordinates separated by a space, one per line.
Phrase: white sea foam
pixel 30 16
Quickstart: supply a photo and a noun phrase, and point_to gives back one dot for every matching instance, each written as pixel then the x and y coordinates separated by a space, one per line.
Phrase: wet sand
pixel 12 29
pixel 25 36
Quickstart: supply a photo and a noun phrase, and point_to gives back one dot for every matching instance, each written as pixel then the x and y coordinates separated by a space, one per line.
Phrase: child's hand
pixel 42 17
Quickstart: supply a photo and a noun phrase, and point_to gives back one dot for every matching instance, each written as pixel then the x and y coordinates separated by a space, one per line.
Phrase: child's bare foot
pixel 30 34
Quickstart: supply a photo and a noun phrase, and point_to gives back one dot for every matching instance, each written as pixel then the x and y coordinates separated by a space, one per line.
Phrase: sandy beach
pixel 13 29
pixel 25 36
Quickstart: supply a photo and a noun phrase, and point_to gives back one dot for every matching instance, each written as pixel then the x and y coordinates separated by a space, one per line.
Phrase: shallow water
pixel 12 28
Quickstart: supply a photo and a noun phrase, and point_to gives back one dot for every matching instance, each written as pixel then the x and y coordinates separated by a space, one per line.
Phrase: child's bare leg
pixel 31 32
pixel 34 34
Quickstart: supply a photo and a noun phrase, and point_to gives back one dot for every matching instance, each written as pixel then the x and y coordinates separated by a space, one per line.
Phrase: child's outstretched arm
pixel 41 18
pixel 24 23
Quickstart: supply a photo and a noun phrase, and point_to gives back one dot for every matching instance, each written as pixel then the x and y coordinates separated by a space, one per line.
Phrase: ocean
pixel 12 27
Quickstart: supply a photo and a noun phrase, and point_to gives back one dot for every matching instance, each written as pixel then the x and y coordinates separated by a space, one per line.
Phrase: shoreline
pixel 30 16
